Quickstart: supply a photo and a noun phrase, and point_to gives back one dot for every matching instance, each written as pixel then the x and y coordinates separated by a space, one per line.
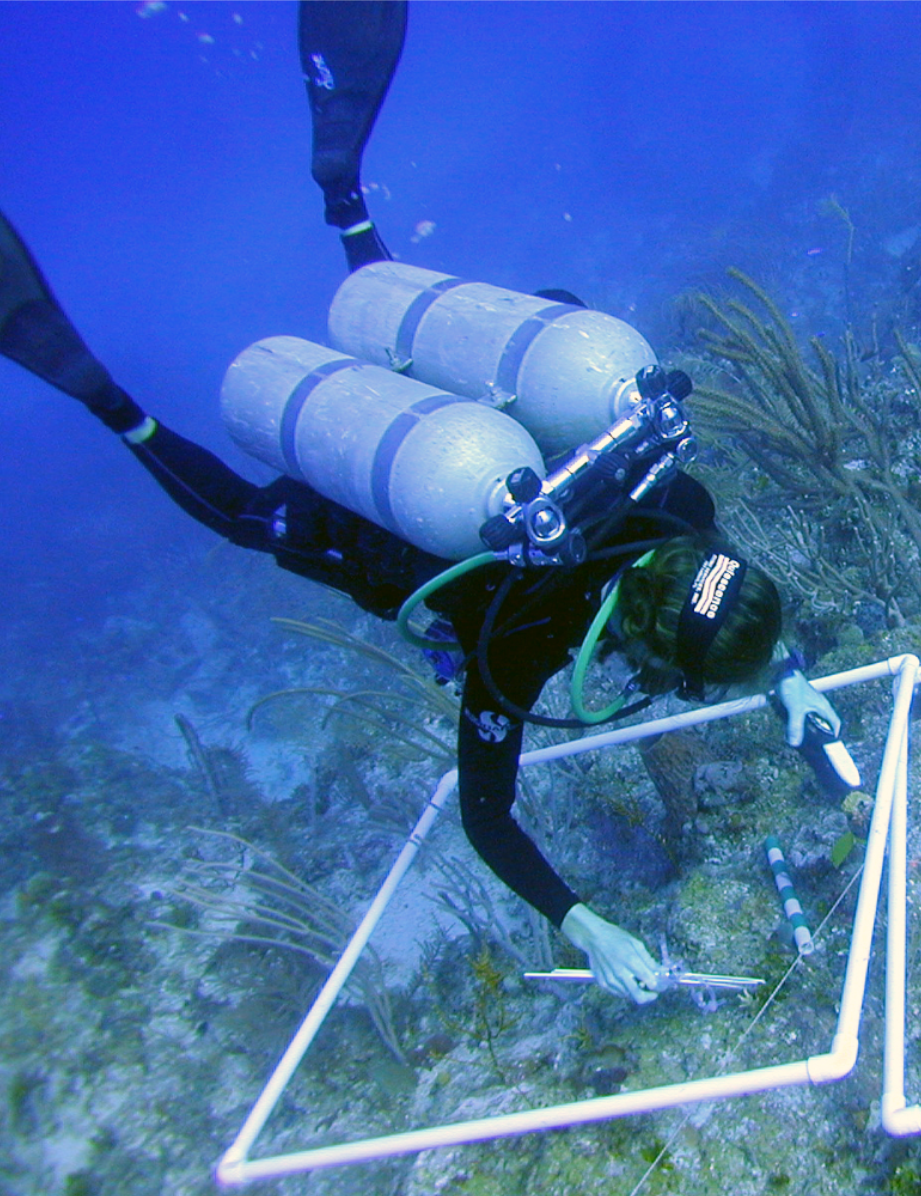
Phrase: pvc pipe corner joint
pixel 837 1063
pixel 904 660
pixel 231 1167
pixel 899 1121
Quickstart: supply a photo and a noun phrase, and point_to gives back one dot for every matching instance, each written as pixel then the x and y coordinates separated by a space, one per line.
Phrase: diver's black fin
pixel 36 334
pixel 34 331
pixel 349 53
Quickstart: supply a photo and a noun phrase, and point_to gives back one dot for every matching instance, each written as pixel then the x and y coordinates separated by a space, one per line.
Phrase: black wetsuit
pixel 543 618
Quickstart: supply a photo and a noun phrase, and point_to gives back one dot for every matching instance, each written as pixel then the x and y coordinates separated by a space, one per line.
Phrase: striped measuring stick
pixel 791 905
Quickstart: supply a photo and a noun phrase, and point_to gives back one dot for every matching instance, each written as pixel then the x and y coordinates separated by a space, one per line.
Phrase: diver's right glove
pixel 799 699
pixel 813 728
pixel 619 962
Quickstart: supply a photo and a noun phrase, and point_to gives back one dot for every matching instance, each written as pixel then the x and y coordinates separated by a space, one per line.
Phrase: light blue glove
pixel 619 962
pixel 799 699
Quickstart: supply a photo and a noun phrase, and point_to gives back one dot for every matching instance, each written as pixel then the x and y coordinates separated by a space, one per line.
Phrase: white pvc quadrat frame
pixel 889 822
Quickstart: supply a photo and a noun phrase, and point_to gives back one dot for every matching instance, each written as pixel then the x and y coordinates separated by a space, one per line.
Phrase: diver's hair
pixel 650 600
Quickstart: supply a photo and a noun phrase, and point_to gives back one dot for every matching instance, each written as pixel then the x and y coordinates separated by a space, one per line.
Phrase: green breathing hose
pixel 442 579
pixel 577 684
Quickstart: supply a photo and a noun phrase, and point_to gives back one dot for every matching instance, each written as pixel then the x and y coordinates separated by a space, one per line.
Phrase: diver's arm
pixel 489 745
pixel 349 53
pixel 486 779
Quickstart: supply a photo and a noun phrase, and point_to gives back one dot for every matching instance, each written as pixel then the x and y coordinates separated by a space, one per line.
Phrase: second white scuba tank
pixel 566 372
pixel 429 466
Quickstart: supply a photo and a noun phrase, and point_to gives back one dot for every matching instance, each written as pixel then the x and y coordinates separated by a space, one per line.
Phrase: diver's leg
pixel 36 333
pixel 349 53
pixel 205 488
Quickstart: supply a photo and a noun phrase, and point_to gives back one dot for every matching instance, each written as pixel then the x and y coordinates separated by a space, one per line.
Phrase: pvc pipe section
pixel 307 1031
pixel 843 1055
pixel 509 1125
pixel 707 714
pixel 865 914
pixel 235 1168
pixel 897 1119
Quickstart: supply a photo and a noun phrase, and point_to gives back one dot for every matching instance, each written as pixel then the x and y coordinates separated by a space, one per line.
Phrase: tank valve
pixel 654 438
pixel 523 485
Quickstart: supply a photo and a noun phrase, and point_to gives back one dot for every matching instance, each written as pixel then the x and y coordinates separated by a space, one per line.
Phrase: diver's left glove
pixel 619 962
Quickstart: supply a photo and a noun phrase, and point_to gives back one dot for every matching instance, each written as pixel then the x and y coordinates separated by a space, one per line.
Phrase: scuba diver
pixel 682 606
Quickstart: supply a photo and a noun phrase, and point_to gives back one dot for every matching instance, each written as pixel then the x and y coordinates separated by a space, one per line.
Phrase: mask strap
pixel 710 599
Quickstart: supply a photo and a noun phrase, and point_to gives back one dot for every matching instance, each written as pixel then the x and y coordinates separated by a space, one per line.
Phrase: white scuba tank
pixel 429 466
pixel 570 371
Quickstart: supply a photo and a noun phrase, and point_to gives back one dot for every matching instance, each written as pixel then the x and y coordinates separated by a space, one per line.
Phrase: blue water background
pixel 159 169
